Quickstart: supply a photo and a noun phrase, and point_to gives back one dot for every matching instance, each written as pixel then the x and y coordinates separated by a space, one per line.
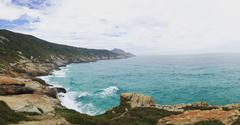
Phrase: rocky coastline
pixel 38 100
pixel 28 100
pixel 40 104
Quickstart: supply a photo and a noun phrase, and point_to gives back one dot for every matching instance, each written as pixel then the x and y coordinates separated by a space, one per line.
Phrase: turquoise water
pixel 95 87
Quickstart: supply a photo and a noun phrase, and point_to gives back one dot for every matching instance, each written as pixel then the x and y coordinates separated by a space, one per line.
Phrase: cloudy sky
pixel 143 27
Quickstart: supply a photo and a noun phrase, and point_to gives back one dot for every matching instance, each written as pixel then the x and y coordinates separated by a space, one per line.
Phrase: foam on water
pixel 69 100
pixel 60 73
pixel 108 91
pixel 95 87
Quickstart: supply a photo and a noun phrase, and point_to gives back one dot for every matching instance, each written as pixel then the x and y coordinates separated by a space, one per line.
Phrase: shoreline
pixel 62 95
pixel 130 108
pixel 162 106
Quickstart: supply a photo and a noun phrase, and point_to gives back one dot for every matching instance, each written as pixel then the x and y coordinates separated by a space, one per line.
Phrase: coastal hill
pixel 27 53
pixel 122 52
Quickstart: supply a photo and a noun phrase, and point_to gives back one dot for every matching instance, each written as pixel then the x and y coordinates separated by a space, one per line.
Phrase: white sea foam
pixel 69 100
pixel 84 94
pixel 109 91
pixel 61 72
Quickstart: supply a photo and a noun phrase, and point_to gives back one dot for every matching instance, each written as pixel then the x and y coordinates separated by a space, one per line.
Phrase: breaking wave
pixel 108 91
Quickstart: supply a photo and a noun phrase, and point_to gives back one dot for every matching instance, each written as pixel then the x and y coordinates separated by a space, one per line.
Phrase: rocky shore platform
pixel 31 101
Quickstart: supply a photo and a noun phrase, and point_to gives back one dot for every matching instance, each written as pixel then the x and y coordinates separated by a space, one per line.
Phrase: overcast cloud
pixel 143 27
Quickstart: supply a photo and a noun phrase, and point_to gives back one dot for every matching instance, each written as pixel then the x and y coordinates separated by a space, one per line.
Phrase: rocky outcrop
pixel 195 116
pixel 33 103
pixel 15 89
pixel 40 81
pixel 136 100
pixel 28 95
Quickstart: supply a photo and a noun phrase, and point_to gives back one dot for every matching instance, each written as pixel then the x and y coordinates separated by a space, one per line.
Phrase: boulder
pixel 51 92
pixel 136 100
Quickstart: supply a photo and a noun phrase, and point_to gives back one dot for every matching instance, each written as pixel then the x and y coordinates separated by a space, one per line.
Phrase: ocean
pixel 95 87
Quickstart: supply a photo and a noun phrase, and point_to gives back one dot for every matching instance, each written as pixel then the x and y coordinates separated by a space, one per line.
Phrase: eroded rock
pixel 137 100
pixel 31 103
pixel 192 117
pixel 15 89
pixel 40 81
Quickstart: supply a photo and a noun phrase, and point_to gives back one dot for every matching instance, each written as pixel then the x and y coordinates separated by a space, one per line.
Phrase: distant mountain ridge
pixel 122 52
pixel 29 54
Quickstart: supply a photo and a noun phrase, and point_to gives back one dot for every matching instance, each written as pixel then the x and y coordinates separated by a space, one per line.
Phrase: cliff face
pixel 30 55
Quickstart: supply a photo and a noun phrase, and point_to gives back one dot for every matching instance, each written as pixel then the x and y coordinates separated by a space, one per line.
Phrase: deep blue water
pixel 95 87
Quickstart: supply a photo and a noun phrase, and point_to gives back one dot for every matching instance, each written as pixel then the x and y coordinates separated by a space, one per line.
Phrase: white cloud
pixel 139 26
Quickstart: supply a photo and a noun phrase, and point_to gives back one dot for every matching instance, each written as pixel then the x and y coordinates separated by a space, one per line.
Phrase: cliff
pixel 33 56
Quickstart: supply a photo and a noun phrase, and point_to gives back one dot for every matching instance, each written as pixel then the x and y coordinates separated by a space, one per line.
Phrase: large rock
pixel 15 89
pixel 33 103
pixel 136 100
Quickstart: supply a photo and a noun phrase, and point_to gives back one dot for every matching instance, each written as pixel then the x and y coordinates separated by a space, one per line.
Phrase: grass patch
pixel 75 117
pixel 9 116
pixel 136 116
pixel 141 116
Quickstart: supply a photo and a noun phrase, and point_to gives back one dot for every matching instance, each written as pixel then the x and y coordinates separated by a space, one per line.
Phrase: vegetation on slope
pixel 13 45
pixel 117 116
pixel 9 116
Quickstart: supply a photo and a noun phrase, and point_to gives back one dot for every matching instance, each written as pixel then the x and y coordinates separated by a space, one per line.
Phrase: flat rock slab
pixel 44 120
pixel 31 103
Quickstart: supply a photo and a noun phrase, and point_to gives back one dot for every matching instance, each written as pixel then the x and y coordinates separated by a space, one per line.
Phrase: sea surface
pixel 95 87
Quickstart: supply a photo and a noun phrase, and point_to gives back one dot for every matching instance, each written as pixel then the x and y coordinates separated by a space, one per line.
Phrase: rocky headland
pixel 27 100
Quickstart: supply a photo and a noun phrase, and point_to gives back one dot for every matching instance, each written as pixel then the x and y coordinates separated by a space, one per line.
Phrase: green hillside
pixel 13 44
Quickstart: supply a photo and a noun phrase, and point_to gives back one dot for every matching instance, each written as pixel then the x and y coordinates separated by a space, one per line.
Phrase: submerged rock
pixel 61 90
pixel 137 100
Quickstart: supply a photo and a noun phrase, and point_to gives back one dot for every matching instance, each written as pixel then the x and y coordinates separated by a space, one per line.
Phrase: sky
pixel 143 27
